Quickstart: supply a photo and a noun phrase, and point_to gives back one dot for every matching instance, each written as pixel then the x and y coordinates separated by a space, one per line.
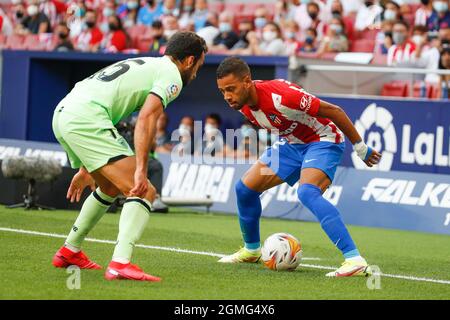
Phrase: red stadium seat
pixel 32 42
pixel 379 59
pixel 216 7
pixel 395 89
pixel 368 34
pixel 417 89
pixel 2 39
pixel 143 44
pixel 234 8
pixel 135 32
pixel 14 41
pixel 249 8
pixel 363 45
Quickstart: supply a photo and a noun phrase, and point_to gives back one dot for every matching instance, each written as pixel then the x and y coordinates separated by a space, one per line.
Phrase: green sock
pixel 94 207
pixel 133 219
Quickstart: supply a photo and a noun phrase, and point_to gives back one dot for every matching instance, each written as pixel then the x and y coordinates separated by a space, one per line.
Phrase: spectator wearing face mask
pixel 440 17
pixel 260 20
pixel 368 16
pixel 392 12
pixel 19 13
pixel 313 11
pixel 200 16
pixel 116 39
pixel 271 43
pixel 444 64
pixel 75 18
pixel 226 39
pixel 212 143
pixel 132 13
pixel 211 29
pixel 350 7
pixel 305 19
pixel 310 44
pixel 49 9
pixel 403 49
pixel 91 36
pixel 423 12
pixel 290 33
pixel 337 11
pixel 170 24
pixel 63 43
pixel 185 145
pixel 335 40
pixel 426 54
pixel 163 142
pixel 159 41
pixel 383 39
pixel 186 18
pixel 108 10
pixel 247 142
pixel 36 22
pixel 244 28
pixel 147 13
pixel 168 8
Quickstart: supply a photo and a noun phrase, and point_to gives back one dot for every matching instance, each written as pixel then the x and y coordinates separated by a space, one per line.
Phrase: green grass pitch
pixel 27 273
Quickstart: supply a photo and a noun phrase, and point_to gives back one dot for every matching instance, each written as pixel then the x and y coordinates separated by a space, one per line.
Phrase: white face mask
pixel 210 129
pixel 169 33
pixel 184 130
pixel 269 36
pixel 32 10
pixel 417 39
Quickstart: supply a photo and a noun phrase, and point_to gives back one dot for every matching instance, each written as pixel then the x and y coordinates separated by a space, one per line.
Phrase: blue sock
pixel 249 211
pixel 329 218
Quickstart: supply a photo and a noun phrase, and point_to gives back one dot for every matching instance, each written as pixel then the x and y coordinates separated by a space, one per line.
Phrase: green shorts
pixel 90 143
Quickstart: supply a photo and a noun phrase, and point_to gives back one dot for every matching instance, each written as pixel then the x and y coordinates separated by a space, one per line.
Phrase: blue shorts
pixel 287 160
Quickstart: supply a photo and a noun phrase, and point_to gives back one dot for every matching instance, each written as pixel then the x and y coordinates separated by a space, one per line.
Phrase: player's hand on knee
pixel 370 156
pixel 79 182
pixel 141 185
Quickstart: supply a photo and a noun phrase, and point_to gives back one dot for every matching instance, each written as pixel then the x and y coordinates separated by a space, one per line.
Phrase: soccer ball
pixel 281 251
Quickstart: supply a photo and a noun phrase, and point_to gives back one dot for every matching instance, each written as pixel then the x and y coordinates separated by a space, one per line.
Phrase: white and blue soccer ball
pixel 281 251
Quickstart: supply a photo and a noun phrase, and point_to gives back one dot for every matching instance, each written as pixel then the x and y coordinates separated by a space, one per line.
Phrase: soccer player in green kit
pixel 83 123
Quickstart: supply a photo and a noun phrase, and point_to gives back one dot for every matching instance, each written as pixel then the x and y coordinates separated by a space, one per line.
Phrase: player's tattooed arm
pixel 327 110
pixel 144 135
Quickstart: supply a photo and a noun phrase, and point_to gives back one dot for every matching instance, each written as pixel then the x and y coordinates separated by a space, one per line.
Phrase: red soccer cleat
pixel 129 271
pixel 65 258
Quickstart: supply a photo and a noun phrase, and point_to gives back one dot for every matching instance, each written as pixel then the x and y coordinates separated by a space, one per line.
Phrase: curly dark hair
pixel 233 65
pixel 184 44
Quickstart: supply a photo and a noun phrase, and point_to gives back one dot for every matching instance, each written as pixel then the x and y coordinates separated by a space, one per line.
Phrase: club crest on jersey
pixel 172 90
pixel 274 118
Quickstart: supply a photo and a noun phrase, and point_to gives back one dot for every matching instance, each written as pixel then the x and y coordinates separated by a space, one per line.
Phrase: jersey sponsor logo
pixel 376 126
pixel 289 130
pixel 406 192
pixel 172 90
pixel 305 102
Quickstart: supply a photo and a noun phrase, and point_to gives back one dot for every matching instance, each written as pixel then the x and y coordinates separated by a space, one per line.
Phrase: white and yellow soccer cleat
pixel 243 255
pixel 350 268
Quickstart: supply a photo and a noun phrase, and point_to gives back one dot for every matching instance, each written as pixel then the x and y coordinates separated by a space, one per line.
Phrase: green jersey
pixel 121 88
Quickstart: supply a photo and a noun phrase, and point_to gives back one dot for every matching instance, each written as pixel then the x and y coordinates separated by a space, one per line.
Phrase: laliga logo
pixel 381 118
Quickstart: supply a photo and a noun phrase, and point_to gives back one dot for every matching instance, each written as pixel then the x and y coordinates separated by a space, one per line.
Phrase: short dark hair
pixel 403 23
pixel 313 4
pixel 184 44
pixel 233 65
pixel 215 117
pixel 157 24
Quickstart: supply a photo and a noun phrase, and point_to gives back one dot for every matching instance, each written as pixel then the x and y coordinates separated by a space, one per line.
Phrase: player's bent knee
pixel 307 193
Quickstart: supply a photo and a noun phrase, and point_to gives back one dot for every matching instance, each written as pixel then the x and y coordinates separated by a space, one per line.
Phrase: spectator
pixel 350 7
pixel 423 13
pixel 76 13
pixel 303 18
pixel 291 43
pixel 147 13
pixel 392 12
pixel 310 44
pixel 444 64
pixel 313 10
pixel 271 44
pixel 186 14
pixel 49 9
pixel 170 24
pixel 383 39
pixel 212 143
pixel 440 17
pixel 168 8
pixel 163 142
pixel 337 11
pixel 36 22
pixel 108 10
pixel 248 144
pixel 402 52
pixel 6 27
pixel 369 15
pixel 186 145
pixel 200 15
pixel 116 39
pixel 426 54
pixel 210 30
pixel 91 37
pixel 158 44
pixel 226 39
pixel 244 28
pixel 132 14
pixel 260 20
pixel 281 12
pixel 19 13
pixel 63 43
pixel 336 39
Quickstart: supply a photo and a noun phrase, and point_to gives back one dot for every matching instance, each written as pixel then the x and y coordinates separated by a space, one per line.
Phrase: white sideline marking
pixel 212 254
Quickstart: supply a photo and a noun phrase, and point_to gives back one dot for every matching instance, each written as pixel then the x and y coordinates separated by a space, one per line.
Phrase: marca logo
pixel 382 118
pixel 405 192
pixel 198 181
pixel 423 148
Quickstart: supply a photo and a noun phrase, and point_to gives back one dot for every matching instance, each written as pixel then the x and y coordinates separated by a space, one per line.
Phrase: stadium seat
pixel 379 59
pixel 363 45
pixel 395 89
pixel 32 42
pixel 2 39
pixel 14 41
pixel 143 44
pixel 216 6
pixel 234 8
pixel 249 8
pixel 135 32
pixel 417 89
pixel 368 34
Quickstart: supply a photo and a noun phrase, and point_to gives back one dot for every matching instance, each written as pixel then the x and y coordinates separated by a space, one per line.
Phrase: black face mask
pixel 113 27
pixel 336 13
pixel 388 34
pixel 313 15
pixel 19 14
pixel 62 35
pixel 90 24
pixel 425 2
pixel 243 35
pixel 368 3
pixel 150 3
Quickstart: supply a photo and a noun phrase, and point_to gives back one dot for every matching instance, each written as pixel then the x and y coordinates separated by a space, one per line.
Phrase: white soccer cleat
pixel 350 268
pixel 243 255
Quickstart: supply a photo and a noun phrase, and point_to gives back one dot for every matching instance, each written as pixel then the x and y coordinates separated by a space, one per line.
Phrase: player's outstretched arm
pixel 144 134
pixel 327 110
pixel 80 181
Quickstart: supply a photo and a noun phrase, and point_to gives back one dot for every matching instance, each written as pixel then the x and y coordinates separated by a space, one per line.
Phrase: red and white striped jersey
pixel 286 107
